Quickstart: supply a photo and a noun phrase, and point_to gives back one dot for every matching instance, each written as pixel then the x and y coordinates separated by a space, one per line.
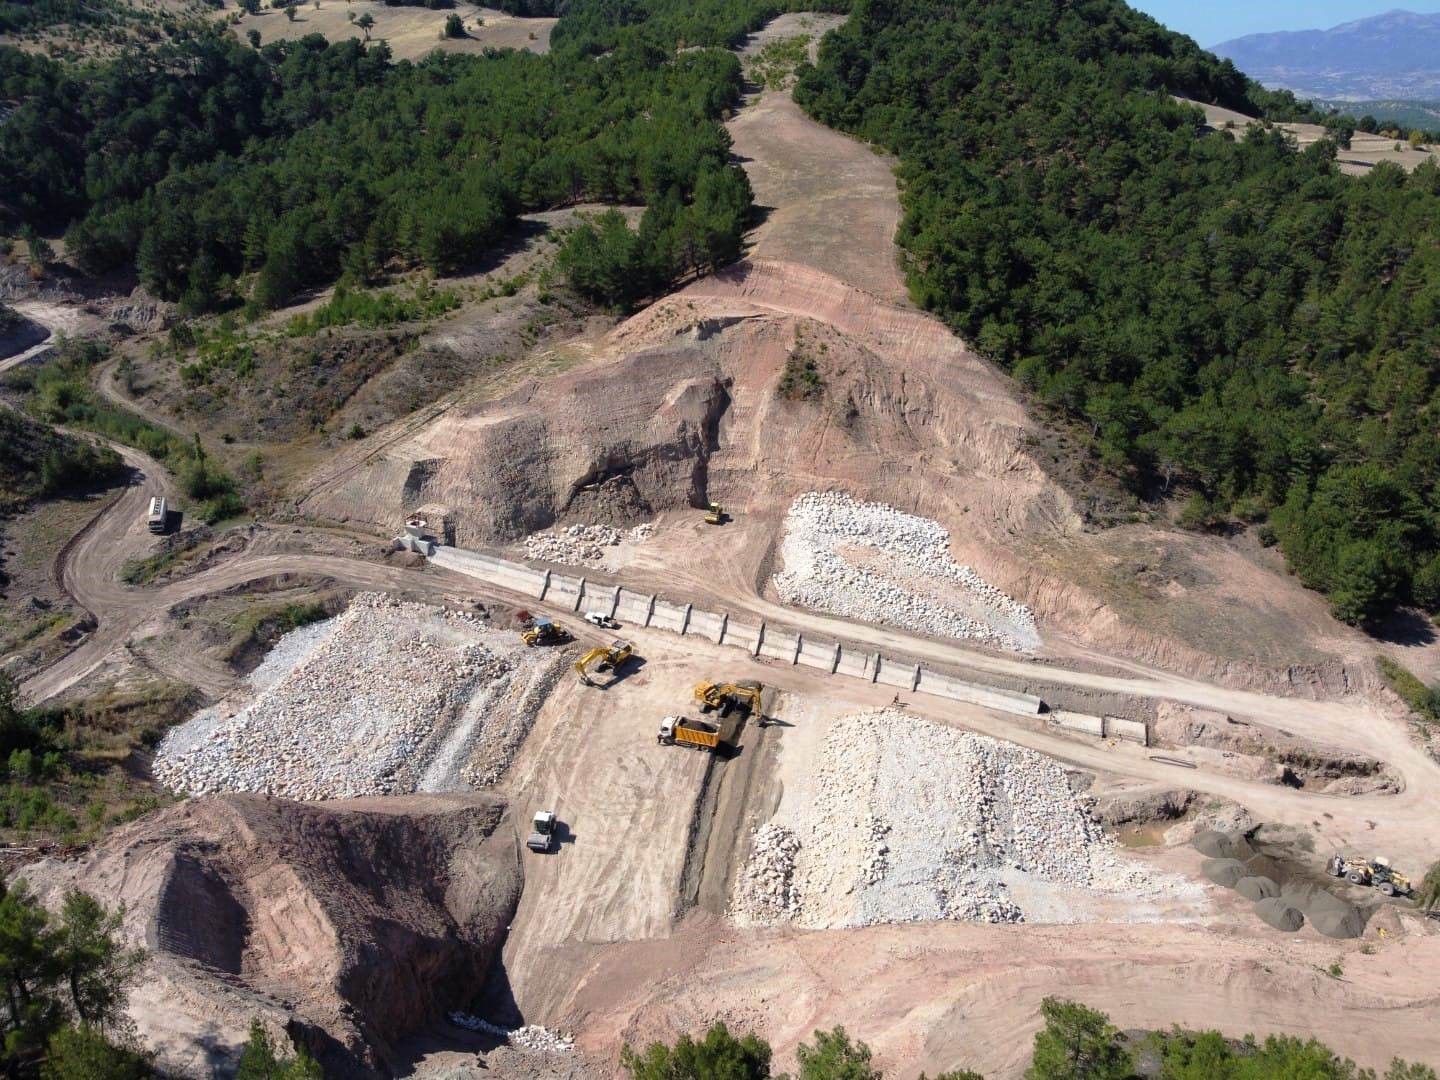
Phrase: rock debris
pixel 529 1037
pixel 870 561
pixel 909 820
pixel 348 717
pixel 581 545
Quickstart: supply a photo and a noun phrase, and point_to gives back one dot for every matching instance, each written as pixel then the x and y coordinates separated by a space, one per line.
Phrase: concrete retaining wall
pixel 1132 730
pixel 817 654
pixel 896 673
pixel 507 575
pixel 565 592
pixel 668 616
pixel 856 664
pixel 633 607
pixel 706 624
pixel 779 645
pixel 742 635
pixel 1081 722
pixel 641 609
pixel 989 696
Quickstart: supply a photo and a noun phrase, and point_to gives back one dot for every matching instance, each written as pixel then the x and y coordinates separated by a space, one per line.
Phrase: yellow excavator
pixel 727 696
pixel 604 658
pixel 714 514
pixel 544 632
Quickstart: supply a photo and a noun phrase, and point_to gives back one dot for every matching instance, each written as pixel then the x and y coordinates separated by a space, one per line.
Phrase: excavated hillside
pixel 350 925
pixel 804 368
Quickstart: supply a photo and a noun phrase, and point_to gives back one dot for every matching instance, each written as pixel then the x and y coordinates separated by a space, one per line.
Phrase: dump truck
pixel 696 734
pixel 542 832
pixel 544 632
pixel 604 658
pixel 727 696
pixel 1376 873
pixel 714 514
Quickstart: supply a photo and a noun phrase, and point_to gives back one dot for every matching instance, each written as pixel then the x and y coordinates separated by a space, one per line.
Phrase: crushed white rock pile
pixel 870 561
pixel 529 1037
pixel 346 718
pixel 905 820
pixel 581 545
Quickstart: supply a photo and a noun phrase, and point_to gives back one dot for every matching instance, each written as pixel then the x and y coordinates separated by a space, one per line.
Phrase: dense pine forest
pixel 208 159
pixel 1223 314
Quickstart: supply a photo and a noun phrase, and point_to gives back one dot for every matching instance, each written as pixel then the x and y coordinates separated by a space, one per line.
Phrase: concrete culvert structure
pixel 1226 872
pixel 1274 911
pixel 1219 845
pixel 1256 887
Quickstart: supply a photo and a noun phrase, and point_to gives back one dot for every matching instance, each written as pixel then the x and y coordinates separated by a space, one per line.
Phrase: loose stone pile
pixel 578 545
pixel 908 820
pixel 766 889
pixel 529 1037
pixel 347 718
pixel 870 561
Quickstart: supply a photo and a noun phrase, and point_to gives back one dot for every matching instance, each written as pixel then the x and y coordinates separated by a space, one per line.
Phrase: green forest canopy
pixel 1228 310
pixel 1075 1043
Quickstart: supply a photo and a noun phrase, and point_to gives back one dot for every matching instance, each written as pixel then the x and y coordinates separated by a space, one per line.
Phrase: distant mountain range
pixel 1390 56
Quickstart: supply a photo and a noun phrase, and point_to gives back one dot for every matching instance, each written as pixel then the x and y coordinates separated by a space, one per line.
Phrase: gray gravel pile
pixel 1220 845
pixel 580 545
pixel 1257 888
pixel 1226 872
pixel 870 561
pixel 1328 913
pixel 347 718
pixel 906 820
pixel 1274 911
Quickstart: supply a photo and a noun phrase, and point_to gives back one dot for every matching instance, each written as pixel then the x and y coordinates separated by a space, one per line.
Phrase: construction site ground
pixel 622 932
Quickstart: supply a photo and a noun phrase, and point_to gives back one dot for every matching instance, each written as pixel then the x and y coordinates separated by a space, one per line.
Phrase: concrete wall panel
pixel 706 624
pixel 668 616
pixel 817 654
pixel 779 645
pixel 896 673
pixel 855 663
pixel 742 635
pixel 987 696
pixel 1081 722
pixel 633 608
pixel 1132 730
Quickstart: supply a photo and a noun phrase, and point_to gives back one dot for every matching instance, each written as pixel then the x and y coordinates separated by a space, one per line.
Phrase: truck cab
pixel 542 832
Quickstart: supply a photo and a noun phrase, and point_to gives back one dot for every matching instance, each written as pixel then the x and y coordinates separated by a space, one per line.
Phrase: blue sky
pixel 1212 21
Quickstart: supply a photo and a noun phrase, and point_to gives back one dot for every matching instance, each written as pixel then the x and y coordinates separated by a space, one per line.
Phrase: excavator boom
pixel 612 657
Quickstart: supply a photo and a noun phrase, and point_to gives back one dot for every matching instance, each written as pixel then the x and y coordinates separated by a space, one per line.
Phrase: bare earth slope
pixel 680 406
pixel 352 924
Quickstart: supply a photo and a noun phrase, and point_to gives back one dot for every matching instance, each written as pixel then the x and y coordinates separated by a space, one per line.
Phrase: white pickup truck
pixel 542 832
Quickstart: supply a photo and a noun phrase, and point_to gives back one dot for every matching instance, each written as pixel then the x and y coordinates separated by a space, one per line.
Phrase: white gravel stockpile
pixel 908 821
pixel 581 545
pixel 529 1037
pixel 343 710
pixel 873 562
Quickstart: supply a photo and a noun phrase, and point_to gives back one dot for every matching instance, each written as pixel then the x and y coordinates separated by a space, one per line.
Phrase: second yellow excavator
pixel 727 696
pixel 603 658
